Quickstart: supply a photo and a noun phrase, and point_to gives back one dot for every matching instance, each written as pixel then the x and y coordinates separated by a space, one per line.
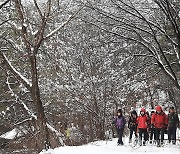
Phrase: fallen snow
pixel 110 147
pixel 10 135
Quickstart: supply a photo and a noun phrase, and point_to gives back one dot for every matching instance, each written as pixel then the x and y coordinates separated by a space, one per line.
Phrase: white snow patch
pixel 10 135
pixel 110 147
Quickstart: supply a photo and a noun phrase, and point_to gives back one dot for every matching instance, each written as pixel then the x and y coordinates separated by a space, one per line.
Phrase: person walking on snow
pixel 148 124
pixel 119 122
pixel 142 125
pixel 173 123
pixel 159 121
pixel 152 137
pixel 132 125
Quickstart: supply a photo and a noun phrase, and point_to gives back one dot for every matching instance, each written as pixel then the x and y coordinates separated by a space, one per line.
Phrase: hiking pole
pixel 178 137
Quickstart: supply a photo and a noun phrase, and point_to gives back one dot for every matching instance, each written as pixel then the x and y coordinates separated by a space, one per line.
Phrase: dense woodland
pixel 67 65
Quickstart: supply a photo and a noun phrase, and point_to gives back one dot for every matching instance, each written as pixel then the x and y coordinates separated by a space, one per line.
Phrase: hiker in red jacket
pixel 142 125
pixel 159 120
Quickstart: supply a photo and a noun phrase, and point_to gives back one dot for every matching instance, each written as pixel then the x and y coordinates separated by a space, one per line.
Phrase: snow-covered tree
pixel 152 25
pixel 23 36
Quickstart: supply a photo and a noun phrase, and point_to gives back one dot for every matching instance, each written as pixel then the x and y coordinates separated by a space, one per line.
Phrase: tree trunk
pixel 43 140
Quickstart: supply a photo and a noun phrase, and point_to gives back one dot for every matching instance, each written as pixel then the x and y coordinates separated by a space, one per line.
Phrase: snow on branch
pixel 17 74
pixel 58 134
pixel 4 3
pixel 22 122
pixel 28 111
pixel 64 24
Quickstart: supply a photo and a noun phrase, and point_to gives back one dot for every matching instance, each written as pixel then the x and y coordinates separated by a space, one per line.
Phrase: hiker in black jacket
pixel 173 123
pixel 152 136
pixel 132 125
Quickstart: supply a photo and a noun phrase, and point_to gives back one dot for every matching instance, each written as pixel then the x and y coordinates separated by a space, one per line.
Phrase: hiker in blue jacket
pixel 119 122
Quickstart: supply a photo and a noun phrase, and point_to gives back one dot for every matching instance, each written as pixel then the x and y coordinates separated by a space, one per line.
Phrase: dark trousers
pixel 141 132
pixel 120 135
pixel 172 134
pixel 132 130
pixel 152 134
pixel 159 134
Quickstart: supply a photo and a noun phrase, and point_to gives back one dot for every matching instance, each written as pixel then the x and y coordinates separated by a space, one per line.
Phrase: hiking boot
pixel 144 143
pixel 120 143
pixel 162 143
pixel 130 140
pixel 173 142
pixel 158 144
pixel 140 142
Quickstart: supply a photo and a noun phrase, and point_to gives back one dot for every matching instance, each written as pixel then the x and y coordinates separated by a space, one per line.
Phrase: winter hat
pixel 134 112
pixel 147 113
pixel 152 112
pixel 171 108
pixel 143 110
pixel 119 111
pixel 158 108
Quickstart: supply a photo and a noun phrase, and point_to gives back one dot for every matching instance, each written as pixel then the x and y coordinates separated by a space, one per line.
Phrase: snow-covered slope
pixel 110 147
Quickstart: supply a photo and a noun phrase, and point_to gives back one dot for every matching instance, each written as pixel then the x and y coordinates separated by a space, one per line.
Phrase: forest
pixel 67 65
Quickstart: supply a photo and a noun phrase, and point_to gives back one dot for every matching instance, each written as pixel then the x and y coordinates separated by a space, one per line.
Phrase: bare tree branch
pixel 16 73
pixel 64 24
pixel 4 3
pixel 158 60
pixel 38 9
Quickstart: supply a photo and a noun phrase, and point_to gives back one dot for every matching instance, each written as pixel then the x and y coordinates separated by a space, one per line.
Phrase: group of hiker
pixel 148 127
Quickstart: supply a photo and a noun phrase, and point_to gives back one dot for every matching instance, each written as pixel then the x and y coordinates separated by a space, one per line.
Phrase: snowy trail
pixel 110 147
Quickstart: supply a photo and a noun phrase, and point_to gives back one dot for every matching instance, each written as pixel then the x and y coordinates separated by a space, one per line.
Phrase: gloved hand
pixel 178 126
pixel 165 126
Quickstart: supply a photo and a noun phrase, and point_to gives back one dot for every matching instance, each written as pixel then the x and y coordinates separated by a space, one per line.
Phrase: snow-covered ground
pixel 110 147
